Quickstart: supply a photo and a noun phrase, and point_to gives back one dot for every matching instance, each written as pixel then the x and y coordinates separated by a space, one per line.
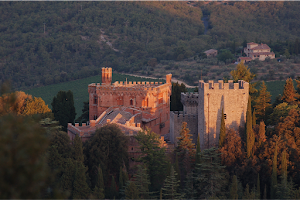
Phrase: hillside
pixel 44 43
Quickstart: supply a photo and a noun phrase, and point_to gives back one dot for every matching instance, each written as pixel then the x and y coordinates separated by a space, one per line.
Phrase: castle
pixel 202 111
pixel 133 106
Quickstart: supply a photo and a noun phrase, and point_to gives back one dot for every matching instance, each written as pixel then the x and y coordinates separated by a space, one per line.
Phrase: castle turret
pixel 106 75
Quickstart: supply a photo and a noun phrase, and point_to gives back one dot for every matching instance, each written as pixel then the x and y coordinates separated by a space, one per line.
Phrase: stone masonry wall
pixel 177 118
pixel 232 97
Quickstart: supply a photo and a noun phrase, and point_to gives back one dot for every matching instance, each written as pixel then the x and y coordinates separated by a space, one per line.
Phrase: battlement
pixel 106 75
pixel 220 85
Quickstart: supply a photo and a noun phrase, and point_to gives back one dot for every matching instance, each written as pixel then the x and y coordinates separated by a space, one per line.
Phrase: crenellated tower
pixel 213 97
pixel 106 75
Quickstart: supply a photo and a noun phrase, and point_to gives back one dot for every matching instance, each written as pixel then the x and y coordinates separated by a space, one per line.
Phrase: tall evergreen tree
pixel 131 192
pixel 78 150
pixel 67 178
pixel 121 182
pixel 250 138
pixel 177 167
pixel 233 193
pixel 99 185
pixel 257 194
pixel 289 93
pixel 177 89
pixel 261 133
pixel 283 189
pixel 211 177
pixel 198 151
pixel 154 157
pixel 113 189
pixel 81 189
pixel 63 108
pixel 262 103
pixel 222 130
pixel 186 150
pixel 170 189
pixel 265 192
pixel 274 175
pixel 142 182
pixel 254 119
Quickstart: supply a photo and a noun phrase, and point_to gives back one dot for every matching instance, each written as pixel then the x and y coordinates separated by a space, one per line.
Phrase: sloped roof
pixel 261 46
pixel 210 51
pixel 245 58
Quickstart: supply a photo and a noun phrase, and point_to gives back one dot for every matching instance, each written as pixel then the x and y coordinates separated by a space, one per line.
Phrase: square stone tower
pixel 213 97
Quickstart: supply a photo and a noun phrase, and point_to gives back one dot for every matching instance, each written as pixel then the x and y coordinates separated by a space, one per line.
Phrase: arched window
pixel 95 99
pixel 131 102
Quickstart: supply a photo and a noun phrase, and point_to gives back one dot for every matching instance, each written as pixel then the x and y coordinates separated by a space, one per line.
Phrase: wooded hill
pixel 82 37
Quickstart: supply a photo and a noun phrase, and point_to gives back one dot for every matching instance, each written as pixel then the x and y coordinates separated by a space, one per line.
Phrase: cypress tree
pixel 113 189
pixel 265 192
pixel 67 178
pixel 99 186
pixel 283 189
pixel 78 150
pixel 121 179
pixel 247 194
pixel 63 108
pixel 234 188
pixel 253 119
pixel 258 188
pixel 289 93
pixel 250 139
pixel 81 189
pixel 274 175
pixel 222 131
pixel 261 133
pixel 198 152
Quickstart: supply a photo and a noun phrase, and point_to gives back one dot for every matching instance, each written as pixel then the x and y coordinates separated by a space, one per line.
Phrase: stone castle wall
pixel 232 97
pixel 177 117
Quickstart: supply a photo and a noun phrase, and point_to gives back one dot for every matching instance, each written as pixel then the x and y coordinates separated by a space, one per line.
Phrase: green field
pixel 79 89
pixel 276 88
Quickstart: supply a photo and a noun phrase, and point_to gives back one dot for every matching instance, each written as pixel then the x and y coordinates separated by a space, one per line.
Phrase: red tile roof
pixel 261 46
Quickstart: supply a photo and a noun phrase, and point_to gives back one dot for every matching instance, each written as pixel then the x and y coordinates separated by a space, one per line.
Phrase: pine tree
pixel 99 186
pixel 222 131
pixel 274 175
pixel 210 179
pixel 262 102
pixel 234 188
pixel 171 186
pixel 289 93
pixel 78 150
pixel 254 119
pixel 250 138
pixel 185 143
pixel 186 150
pixel 113 189
pixel 142 182
pixel 177 167
pixel 131 192
pixel 261 133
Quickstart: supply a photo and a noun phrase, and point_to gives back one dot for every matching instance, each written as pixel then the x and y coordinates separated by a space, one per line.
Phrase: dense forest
pixel 51 42
pixel 259 161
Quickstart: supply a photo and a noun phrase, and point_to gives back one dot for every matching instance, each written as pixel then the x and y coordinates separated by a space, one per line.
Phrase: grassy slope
pixel 79 89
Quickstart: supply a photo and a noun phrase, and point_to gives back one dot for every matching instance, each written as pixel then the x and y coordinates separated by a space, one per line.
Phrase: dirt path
pixel 174 80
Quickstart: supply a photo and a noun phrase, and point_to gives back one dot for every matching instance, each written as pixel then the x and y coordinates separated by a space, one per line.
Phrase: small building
pixel 244 59
pixel 211 53
pixel 258 51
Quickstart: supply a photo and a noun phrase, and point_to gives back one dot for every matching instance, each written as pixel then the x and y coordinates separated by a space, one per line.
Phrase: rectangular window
pixel 225 116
